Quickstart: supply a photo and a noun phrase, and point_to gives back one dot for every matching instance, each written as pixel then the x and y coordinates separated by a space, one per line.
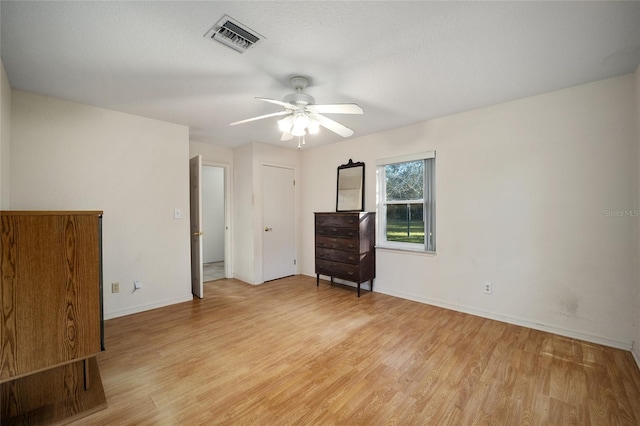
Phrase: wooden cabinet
pixel 51 317
pixel 345 246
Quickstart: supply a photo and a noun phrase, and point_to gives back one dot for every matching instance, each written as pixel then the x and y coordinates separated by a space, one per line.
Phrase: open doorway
pixel 213 223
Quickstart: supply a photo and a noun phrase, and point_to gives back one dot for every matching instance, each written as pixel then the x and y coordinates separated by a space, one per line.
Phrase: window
pixel 406 202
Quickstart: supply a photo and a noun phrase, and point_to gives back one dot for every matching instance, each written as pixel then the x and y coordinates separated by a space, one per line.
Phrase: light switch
pixel 177 213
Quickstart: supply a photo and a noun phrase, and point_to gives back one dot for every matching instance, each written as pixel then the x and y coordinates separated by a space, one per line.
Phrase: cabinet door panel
pixel 50 287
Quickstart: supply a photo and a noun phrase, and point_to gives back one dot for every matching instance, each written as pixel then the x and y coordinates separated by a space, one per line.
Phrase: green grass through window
pixel 397 231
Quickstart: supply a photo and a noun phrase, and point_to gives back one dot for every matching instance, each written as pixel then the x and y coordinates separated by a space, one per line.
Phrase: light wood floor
pixel 286 352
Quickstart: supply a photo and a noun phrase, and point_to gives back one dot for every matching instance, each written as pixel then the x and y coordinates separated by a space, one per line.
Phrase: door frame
pixel 228 214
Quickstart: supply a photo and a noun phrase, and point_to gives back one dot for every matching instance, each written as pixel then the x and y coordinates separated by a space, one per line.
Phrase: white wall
pixel 213 214
pixel 5 138
pixel 243 238
pixel 66 155
pixel 525 196
pixel 211 153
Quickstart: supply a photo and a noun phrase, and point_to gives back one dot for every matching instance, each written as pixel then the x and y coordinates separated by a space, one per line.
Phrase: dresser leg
pixel 331 280
pixel 371 284
pixel 317 280
pixel 358 289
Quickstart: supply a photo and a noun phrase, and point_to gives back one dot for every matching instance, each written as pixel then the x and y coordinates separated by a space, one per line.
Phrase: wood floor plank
pixel 288 352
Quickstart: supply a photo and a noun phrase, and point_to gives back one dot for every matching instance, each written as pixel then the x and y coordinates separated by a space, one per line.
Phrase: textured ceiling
pixel 403 62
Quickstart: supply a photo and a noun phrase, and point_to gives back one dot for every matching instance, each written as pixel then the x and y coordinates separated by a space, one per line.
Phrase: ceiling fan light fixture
pixel 300 120
pixel 304 116
pixel 313 127
pixel 285 124
pixel 298 131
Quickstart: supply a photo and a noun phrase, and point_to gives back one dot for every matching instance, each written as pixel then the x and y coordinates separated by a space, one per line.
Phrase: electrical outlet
pixel 487 288
pixel 115 287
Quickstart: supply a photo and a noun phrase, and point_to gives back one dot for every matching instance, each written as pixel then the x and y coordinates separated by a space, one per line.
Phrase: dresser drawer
pixel 347 244
pixel 338 255
pixel 337 220
pixel 337 231
pixel 339 270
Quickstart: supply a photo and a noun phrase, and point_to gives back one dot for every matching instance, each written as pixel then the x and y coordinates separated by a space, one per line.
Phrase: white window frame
pixel 428 202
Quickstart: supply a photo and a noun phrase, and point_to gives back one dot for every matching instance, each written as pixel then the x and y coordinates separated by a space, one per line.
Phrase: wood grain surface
pixel 55 396
pixel 50 291
pixel 288 352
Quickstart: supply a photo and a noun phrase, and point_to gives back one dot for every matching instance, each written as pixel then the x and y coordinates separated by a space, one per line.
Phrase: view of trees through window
pixel 405 201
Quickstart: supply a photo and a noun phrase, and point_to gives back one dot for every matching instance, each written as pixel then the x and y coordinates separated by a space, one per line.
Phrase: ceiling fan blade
pixel 286 137
pixel 282 104
pixel 334 126
pixel 337 109
pixel 274 114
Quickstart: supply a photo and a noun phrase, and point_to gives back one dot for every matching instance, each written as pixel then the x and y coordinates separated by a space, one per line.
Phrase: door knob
pixel 267 229
pixel 197 234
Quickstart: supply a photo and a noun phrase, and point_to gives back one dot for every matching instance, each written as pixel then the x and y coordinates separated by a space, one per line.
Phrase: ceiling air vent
pixel 233 34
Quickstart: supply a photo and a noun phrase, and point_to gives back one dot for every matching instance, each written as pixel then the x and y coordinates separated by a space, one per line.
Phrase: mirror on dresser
pixel 350 187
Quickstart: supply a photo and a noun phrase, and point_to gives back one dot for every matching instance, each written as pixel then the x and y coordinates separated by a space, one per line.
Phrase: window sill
pixel 419 252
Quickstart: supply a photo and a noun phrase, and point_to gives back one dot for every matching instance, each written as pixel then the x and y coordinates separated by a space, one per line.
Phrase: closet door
pixel 279 227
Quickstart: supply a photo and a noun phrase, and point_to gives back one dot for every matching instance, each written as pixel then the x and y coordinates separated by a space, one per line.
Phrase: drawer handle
pixel 350 273
pixel 350 257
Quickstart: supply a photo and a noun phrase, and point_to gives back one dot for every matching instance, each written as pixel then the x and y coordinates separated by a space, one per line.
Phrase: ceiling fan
pixel 303 115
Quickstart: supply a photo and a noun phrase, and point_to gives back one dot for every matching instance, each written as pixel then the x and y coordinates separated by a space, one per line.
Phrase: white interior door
pixel 279 228
pixel 195 195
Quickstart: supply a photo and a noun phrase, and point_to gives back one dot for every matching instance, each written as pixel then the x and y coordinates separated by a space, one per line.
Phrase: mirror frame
pixel 343 205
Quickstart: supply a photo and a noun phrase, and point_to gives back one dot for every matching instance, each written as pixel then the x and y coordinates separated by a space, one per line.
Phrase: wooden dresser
pixel 51 325
pixel 345 246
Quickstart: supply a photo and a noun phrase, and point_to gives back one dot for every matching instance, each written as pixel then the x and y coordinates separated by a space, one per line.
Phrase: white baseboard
pixel 635 351
pixel 243 279
pixel 142 308
pixel 601 340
